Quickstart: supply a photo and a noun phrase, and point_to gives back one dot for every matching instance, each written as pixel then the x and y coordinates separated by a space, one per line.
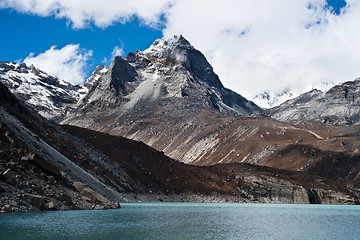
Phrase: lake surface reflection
pixel 188 221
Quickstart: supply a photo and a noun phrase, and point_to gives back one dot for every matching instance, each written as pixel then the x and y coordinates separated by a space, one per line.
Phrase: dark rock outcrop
pixel 9 176
pixel 35 200
pixel 95 197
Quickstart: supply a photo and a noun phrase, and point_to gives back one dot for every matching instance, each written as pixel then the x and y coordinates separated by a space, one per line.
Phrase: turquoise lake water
pixel 188 221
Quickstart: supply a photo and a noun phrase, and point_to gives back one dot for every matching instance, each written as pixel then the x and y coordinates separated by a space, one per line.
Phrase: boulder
pixel 46 165
pixel 9 176
pixel 66 199
pixel 37 189
pixel 7 208
pixel 78 186
pixel 30 156
pixel 35 200
pixel 51 205
pixel 100 207
pixel 11 165
pixel 95 197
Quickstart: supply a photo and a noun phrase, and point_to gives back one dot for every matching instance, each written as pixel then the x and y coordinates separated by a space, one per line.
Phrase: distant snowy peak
pixel 161 48
pixel 271 99
pixel 42 91
pixel 339 105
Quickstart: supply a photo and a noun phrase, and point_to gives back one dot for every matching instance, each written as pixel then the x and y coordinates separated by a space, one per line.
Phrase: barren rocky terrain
pixel 48 167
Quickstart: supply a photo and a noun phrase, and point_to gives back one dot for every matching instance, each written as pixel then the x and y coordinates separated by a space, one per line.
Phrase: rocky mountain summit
pixel 169 73
pixel 340 105
pixel 47 94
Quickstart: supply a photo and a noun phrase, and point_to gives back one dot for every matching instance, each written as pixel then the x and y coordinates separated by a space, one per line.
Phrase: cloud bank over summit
pixel 272 45
pixel 254 46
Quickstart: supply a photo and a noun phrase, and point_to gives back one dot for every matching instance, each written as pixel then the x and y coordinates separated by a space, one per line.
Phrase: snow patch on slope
pixel 271 99
pixel 48 94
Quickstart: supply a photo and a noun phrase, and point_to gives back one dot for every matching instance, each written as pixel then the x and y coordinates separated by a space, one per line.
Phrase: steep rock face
pixel 185 73
pixel 169 73
pixel 44 92
pixel 339 105
pixel 38 176
pixel 108 86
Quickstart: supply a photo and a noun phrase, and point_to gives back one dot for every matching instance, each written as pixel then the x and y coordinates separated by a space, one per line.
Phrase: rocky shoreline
pixel 25 202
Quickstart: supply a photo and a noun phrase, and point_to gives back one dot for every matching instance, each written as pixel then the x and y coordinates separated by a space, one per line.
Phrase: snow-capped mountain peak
pixel 169 75
pixel 44 92
pixel 339 105
pixel 163 48
pixel 271 99
pixel 177 54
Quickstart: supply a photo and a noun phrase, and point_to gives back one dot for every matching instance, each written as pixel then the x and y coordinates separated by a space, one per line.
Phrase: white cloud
pixel 67 63
pixel 262 45
pixel 101 13
pixel 117 51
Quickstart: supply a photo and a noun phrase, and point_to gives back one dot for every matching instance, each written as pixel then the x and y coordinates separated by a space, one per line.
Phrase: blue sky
pixel 25 34
pixel 336 5
pixel 40 33
pixel 254 46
